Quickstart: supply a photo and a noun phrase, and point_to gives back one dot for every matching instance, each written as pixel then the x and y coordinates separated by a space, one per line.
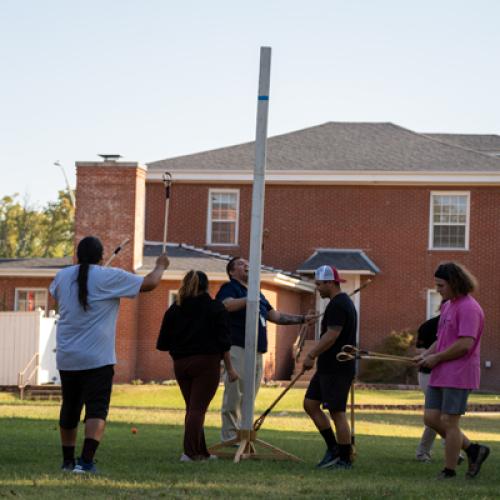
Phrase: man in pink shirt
pixel 455 362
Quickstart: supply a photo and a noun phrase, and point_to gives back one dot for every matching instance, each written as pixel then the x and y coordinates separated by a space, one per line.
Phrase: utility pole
pixel 70 191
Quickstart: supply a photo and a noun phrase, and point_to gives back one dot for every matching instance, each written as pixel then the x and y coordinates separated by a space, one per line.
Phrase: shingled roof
pixel 343 259
pixel 182 258
pixel 36 263
pixel 336 146
pixel 483 143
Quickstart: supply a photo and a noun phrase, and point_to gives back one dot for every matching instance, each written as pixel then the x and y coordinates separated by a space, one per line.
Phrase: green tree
pixel 59 227
pixel 29 232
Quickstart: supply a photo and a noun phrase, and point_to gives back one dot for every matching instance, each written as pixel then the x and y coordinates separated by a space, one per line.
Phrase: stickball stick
pixel 353 433
pixel 353 350
pixel 344 356
pixel 167 182
pixel 258 423
pixel 118 249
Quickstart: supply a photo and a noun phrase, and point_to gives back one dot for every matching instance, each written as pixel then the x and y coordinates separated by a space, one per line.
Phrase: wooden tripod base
pixel 248 443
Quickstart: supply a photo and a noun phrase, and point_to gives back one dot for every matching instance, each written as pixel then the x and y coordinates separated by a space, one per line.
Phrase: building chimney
pixel 111 205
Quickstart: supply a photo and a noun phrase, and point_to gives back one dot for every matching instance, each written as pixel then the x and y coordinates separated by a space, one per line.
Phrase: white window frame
pixel 431 221
pixel 209 217
pixel 31 289
pixel 431 313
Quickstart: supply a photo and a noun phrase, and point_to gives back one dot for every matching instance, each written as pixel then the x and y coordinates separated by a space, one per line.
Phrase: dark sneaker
pixel 475 465
pixel 342 464
pixel 330 458
pixel 443 475
pixel 83 467
pixel 68 465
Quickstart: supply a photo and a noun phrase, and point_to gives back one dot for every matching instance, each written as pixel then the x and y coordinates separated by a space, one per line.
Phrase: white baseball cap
pixel 328 273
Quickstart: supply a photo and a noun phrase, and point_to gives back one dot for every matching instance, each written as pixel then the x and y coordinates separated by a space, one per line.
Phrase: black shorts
pixel 332 389
pixel 91 388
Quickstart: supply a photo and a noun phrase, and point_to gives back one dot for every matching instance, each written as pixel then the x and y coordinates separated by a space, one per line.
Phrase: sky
pixel 154 79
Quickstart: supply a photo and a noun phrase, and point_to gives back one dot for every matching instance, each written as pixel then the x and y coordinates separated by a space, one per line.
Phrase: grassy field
pixel 145 464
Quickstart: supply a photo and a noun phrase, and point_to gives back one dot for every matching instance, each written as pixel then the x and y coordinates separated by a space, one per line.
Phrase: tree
pixel 28 232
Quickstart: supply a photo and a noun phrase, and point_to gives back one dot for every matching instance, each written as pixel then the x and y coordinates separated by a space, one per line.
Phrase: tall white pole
pixel 257 219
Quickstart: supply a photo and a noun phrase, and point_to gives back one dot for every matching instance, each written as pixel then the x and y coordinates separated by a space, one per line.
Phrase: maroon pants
pixel 198 378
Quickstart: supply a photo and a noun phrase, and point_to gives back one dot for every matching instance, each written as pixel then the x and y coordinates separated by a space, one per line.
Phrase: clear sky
pixel 152 79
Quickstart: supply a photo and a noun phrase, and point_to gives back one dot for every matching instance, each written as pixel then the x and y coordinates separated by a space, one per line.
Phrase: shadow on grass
pixel 147 464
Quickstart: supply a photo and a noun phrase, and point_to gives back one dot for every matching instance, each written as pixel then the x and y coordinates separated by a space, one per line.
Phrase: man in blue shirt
pixel 233 295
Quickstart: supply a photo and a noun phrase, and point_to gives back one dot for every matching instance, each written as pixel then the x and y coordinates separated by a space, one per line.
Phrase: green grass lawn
pixel 168 396
pixel 145 465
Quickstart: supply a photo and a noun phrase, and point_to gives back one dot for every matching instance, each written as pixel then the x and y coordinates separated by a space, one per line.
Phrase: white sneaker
pixel 424 457
pixel 185 458
pixel 213 457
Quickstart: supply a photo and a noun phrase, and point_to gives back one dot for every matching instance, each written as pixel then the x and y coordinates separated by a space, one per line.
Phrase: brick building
pixel 374 199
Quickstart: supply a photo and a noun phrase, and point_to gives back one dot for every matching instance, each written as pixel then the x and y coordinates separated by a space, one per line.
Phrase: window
pixel 223 212
pixel 449 221
pixel 30 299
pixel 172 297
pixel 433 303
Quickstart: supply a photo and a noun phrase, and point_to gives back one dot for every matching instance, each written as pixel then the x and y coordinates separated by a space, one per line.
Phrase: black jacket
pixel 199 326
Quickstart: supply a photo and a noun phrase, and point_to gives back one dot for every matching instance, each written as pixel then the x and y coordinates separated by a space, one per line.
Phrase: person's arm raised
pixel 152 280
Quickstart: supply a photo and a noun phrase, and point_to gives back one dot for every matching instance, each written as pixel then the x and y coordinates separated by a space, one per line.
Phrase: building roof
pixel 338 146
pixel 182 259
pixel 36 263
pixel 186 257
pixel 485 143
pixel 346 260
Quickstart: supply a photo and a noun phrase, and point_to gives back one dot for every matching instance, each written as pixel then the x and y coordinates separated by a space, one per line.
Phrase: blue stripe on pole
pixel 263 98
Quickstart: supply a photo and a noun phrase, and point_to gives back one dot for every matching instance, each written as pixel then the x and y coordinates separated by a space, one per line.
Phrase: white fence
pixel 22 335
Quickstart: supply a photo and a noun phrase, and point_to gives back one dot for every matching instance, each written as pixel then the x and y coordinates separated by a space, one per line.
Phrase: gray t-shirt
pixel 86 339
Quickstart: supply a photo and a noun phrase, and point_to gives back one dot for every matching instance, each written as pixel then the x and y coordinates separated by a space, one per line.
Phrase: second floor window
pixel 223 211
pixel 449 221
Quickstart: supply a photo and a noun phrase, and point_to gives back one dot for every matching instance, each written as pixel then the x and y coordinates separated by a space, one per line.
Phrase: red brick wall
pixel 8 290
pixel 108 198
pixel 390 223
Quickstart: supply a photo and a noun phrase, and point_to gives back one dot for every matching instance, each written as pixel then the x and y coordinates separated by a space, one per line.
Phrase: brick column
pixel 110 204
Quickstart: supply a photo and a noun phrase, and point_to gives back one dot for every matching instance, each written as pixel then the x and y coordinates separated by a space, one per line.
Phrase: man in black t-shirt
pixel 331 383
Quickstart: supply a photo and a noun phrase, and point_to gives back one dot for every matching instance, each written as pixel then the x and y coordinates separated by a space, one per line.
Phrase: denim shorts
pixel 449 400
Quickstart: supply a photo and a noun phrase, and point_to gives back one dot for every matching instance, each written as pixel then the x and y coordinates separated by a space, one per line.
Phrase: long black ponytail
pixel 89 251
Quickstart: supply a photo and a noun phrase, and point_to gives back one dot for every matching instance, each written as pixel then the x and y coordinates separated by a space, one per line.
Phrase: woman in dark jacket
pixel 195 330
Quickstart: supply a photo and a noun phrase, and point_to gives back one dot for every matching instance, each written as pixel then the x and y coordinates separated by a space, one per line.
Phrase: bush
pixel 389 372
pixel 137 381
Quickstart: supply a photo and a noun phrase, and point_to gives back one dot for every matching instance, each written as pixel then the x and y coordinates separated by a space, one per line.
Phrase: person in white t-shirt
pixel 88 296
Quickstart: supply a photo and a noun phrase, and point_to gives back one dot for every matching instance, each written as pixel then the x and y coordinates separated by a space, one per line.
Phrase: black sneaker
pixel 330 458
pixel 475 465
pixel 68 465
pixel 342 464
pixel 444 474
